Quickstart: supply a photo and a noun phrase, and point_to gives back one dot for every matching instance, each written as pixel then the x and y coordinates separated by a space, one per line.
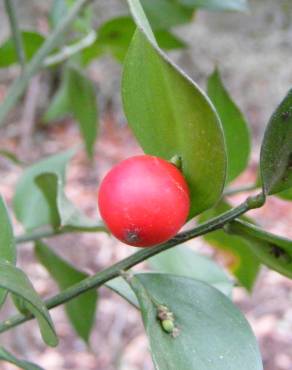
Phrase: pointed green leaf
pixel 15 281
pixel 63 213
pixel 183 261
pixel 244 266
pixel 84 107
pixel 272 250
pixel 7 242
pixel 81 310
pixel 241 5
pixel 235 127
pixel 170 116
pixel 21 364
pixel 31 42
pixel 164 14
pixel 30 204
pixel 276 150
pixel 210 332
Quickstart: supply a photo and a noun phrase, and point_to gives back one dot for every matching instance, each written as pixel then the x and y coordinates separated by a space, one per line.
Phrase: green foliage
pixel 76 96
pixel 63 214
pixel 276 150
pixel 31 42
pixel 30 204
pixel 183 261
pixel 272 250
pixel 201 315
pixel 15 281
pixel 171 116
pixel 115 35
pixel 235 127
pixel 7 242
pixel 244 266
pixel 81 310
pixel 21 364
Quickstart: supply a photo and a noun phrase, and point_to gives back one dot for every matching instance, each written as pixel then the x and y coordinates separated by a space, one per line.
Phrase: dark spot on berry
pixel 132 236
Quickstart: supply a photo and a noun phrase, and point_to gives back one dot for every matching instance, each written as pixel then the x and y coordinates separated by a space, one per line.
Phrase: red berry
pixel 144 200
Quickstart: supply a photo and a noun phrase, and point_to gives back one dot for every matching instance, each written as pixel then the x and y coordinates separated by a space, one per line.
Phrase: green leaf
pixel 59 106
pixel 234 126
pixel 170 115
pixel 244 266
pixel 7 242
pixel 31 43
pixel 16 282
pixel 164 14
pixel 11 157
pixel 119 286
pixel 240 5
pixel 84 107
pixel 58 10
pixel 114 37
pixel 276 150
pixel 30 204
pixel 21 364
pixel 63 213
pixel 272 250
pixel 183 261
pixel 286 194
pixel 211 333
pixel 81 310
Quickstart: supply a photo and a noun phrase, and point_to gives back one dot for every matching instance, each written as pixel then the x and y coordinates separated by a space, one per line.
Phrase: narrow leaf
pixel 30 204
pixel 21 364
pixel 81 310
pixel 272 250
pixel 200 315
pixel 11 157
pixel 16 282
pixel 170 116
pixel 183 261
pixel 243 263
pixel 7 242
pixel 276 150
pixel 84 107
pixel 235 127
pixel 119 286
pixel 64 213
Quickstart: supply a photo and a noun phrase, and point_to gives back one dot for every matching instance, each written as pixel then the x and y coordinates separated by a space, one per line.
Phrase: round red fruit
pixel 144 200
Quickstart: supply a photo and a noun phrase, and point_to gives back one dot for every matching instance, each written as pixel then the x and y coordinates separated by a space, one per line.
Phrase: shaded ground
pixel 252 51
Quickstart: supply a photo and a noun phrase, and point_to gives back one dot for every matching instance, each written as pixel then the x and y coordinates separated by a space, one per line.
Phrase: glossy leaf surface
pixel 276 150
pixel 170 116
pixel 183 261
pixel 202 315
pixel 16 282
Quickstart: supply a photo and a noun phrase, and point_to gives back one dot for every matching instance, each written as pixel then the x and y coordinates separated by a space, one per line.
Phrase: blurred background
pixel 253 52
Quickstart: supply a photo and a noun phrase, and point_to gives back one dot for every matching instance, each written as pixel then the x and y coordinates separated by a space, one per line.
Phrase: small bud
pixel 256 201
pixel 167 325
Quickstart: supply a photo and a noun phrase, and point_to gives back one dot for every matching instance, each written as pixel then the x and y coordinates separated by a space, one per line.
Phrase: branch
pixel 68 51
pixel 113 271
pixel 16 35
pixel 18 87
pixel 242 189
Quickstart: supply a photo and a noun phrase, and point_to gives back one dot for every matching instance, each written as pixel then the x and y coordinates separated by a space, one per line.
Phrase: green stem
pixel 16 35
pixel 241 189
pixel 68 51
pixel 18 87
pixel 36 235
pixel 113 271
